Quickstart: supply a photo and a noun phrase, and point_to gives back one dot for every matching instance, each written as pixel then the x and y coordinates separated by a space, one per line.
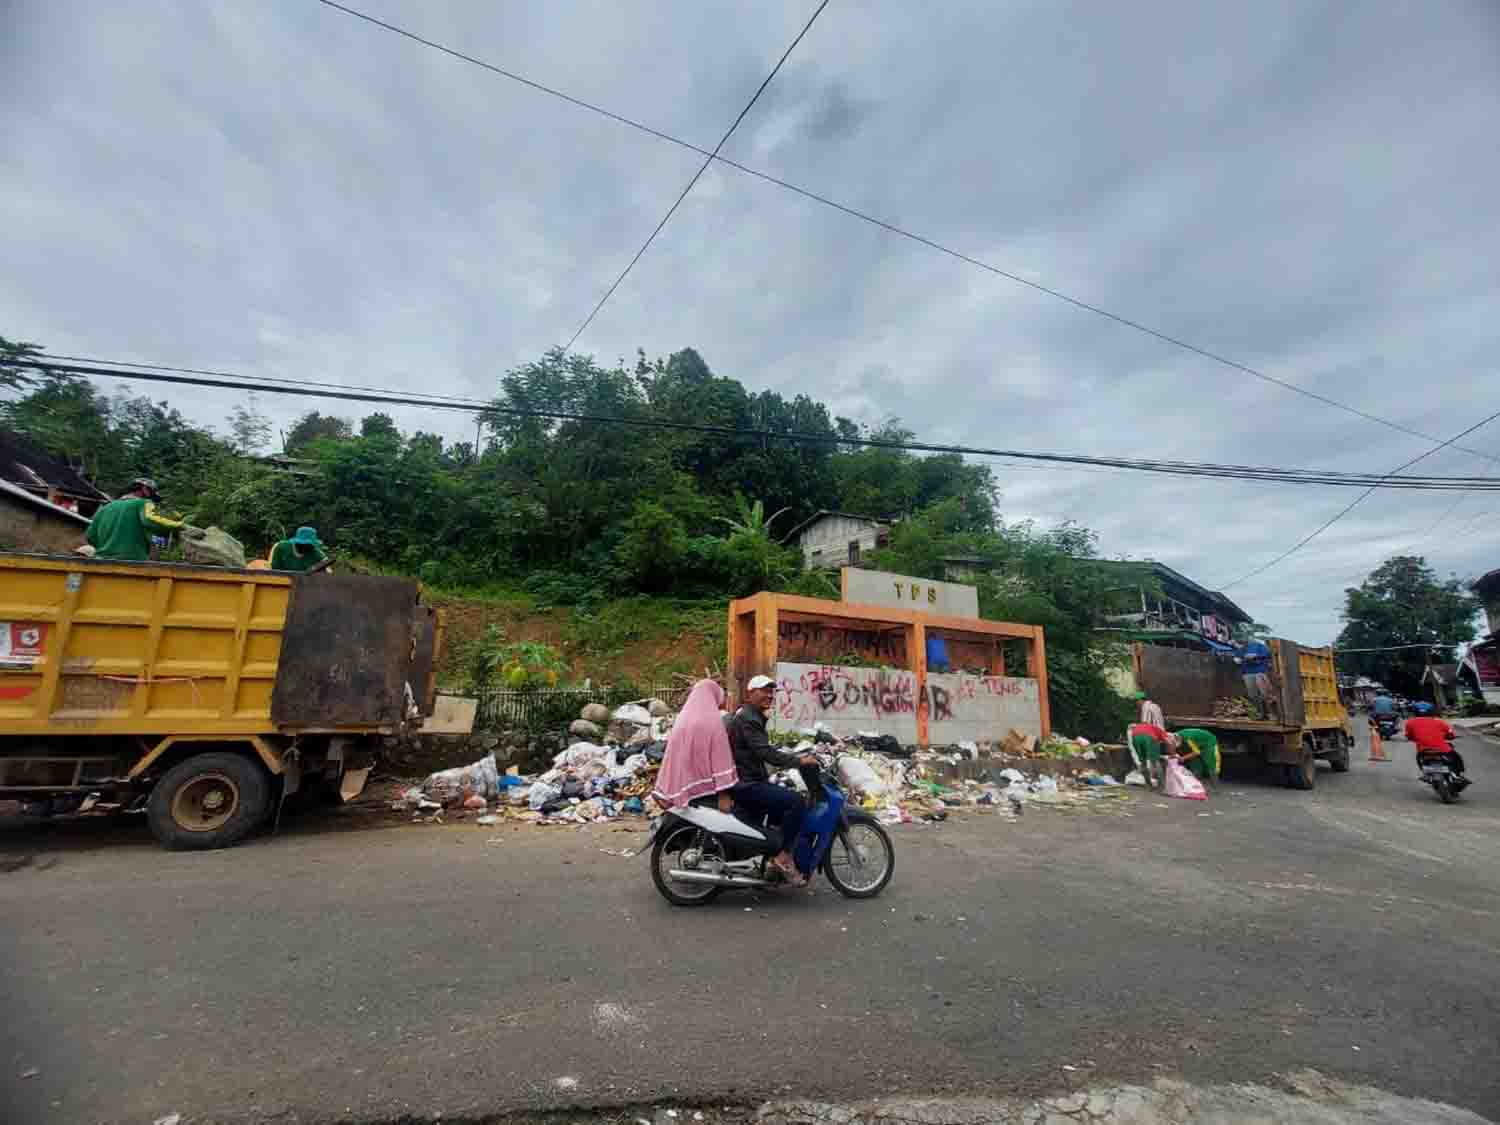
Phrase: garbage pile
pixel 1237 707
pixel 610 771
pixel 589 781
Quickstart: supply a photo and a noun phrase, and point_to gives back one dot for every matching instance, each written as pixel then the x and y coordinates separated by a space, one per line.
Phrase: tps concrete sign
pixel 900 591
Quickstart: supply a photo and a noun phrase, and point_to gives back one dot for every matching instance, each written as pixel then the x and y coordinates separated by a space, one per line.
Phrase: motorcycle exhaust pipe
pixel 717 880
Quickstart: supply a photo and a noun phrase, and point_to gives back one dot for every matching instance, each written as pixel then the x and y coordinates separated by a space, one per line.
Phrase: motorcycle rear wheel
pixel 1445 792
pixel 865 873
pixel 674 841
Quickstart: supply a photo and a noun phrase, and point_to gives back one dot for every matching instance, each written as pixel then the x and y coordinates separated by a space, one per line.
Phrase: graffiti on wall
pixel 884 700
pixel 812 641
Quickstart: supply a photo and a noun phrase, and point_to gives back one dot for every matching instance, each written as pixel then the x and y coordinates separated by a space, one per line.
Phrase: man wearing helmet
pixel 122 529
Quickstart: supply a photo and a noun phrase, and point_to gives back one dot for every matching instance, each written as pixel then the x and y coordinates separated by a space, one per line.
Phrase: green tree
pixel 1404 603
pixel 249 429
pixel 19 366
pixel 312 427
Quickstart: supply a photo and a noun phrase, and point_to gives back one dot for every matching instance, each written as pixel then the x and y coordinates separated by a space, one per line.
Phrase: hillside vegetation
pixel 600 544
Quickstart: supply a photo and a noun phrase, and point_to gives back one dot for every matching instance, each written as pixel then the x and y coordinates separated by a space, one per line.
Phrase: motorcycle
pixel 1438 772
pixel 1388 725
pixel 698 852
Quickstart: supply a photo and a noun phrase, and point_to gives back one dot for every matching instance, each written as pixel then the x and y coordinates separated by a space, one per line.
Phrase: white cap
pixel 758 682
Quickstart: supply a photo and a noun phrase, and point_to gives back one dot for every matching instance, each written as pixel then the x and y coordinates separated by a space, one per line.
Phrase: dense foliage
pixel 1403 602
pixel 574 512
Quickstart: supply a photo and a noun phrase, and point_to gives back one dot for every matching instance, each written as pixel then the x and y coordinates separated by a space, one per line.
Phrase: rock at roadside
pixel 583 728
pixel 595 713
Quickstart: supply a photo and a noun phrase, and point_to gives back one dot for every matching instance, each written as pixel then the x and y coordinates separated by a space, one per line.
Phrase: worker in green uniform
pixel 122 529
pixel 302 553
pixel 1200 753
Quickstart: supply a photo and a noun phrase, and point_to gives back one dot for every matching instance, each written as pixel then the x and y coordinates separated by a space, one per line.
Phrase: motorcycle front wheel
pixel 671 847
pixel 861 860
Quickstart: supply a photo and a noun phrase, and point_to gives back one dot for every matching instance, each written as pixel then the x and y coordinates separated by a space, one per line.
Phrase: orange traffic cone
pixel 1377 750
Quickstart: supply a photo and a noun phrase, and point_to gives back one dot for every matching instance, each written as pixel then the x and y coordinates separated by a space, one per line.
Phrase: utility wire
pixel 892 228
pixel 1306 539
pixel 707 160
pixel 310 388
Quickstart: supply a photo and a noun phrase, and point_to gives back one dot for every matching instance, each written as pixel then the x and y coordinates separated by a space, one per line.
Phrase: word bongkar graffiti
pixel 823 692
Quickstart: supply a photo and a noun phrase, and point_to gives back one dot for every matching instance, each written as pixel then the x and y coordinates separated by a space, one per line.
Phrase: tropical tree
pixel 1402 618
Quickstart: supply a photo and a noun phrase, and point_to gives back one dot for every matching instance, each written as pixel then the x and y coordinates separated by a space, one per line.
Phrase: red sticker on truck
pixel 22 642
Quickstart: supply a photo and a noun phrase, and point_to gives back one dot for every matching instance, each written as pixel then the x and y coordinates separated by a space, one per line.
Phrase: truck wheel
pixel 1304 775
pixel 1339 759
pixel 208 801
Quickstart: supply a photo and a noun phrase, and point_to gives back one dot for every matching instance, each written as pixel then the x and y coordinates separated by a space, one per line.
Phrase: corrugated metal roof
pixel 41 502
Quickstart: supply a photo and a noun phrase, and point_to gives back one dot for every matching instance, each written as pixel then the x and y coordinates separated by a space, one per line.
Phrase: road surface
pixel 405 972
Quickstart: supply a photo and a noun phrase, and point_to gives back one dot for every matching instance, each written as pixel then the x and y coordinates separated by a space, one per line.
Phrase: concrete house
pixel 834 539
pixel 45 505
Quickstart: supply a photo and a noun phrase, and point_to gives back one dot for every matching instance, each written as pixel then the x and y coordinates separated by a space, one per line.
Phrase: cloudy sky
pixel 279 189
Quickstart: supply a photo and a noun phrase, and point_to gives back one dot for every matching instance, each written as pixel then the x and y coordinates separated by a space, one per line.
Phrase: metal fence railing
pixel 546 708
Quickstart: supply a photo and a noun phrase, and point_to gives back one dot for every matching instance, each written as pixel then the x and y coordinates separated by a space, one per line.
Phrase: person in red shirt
pixel 1149 741
pixel 1430 735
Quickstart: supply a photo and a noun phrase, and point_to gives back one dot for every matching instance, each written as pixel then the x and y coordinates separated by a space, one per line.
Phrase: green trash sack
pixel 212 547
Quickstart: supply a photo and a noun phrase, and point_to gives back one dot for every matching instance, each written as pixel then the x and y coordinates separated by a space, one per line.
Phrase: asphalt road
pixel 397 973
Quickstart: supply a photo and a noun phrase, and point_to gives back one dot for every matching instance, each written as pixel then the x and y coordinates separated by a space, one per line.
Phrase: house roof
pixel 822 512
pixel 41 502
pixel 24 463
pixel 1213 597
pixel 1486 584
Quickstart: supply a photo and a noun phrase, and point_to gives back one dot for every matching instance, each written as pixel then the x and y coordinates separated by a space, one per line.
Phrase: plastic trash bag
pixel 481 778
pixel 633 713
pixel 579 754
pixel 1013 775
pixel 542 795
pixel 1135 777
pixel 1180 783
pixel 212 546
pixel 858 776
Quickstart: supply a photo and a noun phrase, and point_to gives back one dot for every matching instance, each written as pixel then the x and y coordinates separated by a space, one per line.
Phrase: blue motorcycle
pixel 698 852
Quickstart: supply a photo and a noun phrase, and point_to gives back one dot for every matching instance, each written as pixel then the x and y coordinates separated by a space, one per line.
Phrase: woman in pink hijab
pixel 698 761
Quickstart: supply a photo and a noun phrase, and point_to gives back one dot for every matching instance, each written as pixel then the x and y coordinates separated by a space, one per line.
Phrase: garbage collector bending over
pixel 753 755
pixel 122 529
pixel 1199 752
pixel 303 553
pixel 1148 742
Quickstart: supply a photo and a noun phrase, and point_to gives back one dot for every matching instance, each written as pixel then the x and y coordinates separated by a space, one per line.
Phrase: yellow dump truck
pixel 204 695
pixel 1302 717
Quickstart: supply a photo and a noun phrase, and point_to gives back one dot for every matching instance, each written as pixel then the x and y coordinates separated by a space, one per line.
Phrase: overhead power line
pixel 276 385
pixel 1306 539
pixel 711 155
pixel 707 160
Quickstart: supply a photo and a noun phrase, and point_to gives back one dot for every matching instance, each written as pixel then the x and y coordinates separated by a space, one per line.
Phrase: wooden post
pixel 916 639
pixel 1039 673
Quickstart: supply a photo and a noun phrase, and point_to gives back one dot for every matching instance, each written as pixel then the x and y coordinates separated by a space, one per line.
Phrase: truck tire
pixel 209 801
pixel 1339 759
pixel 1304 774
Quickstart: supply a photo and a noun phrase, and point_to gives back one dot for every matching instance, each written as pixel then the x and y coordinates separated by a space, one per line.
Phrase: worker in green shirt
pixel 122 529
pixel 302 553
pixel 1200 753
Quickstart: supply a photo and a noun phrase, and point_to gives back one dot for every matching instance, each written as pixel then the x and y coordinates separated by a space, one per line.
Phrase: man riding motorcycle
pixel 1433 736
pixel 753 753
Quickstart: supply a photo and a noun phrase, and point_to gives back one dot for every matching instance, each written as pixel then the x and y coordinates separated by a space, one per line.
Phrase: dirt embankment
pixel 641 640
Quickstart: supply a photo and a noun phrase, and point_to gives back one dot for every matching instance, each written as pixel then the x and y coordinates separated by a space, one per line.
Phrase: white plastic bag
pixel 1013 775
pixel 481 777
pixel 580 753
pixel 1180 783
pixel 1135 777
pixel 859 777
pixel 542 794
pixel 633 713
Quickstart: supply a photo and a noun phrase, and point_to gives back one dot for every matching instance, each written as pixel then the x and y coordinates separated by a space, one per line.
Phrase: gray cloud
pixel 280 190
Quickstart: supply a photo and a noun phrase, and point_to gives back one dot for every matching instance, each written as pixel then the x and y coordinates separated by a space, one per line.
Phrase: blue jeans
pixel 784 807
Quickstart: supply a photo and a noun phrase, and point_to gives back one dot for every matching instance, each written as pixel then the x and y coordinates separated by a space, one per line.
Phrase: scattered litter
pixel 488 820
pixel 169 1119
pixel 566 1082
pixel 30 1072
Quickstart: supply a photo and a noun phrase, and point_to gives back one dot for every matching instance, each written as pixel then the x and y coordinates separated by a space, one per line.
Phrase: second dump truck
pixel 1304 717
pixel 204 695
